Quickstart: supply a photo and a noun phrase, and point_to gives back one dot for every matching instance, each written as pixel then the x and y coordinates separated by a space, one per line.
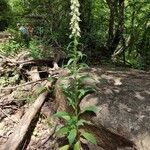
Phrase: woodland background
pixel 117 30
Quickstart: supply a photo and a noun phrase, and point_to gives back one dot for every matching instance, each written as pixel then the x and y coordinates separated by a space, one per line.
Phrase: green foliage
pixel 40 51
pixel 76 146
pixel 51 24
pixel 30 99
pixel 89 137
pixel 10 48
pixel 34 94
pixel 17 12
pixel 65 147
pixel 136 21
pixel 4 81
pixel 5 17
pixel 34 50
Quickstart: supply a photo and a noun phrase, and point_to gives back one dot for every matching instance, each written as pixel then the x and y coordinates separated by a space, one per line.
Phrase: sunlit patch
pixel 139 96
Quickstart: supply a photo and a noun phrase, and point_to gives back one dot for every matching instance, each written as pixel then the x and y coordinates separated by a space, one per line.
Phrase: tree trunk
pixel 116 25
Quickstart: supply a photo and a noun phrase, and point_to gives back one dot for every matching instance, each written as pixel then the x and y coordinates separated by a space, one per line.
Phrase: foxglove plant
pixel 75 91
pixel 75 18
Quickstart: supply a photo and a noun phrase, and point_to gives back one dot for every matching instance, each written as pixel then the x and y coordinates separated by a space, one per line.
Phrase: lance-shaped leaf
pixel 63 115
pixel 77 146
pixel 63 131
pixel 89 137
pixel 66 147
pixel 72 135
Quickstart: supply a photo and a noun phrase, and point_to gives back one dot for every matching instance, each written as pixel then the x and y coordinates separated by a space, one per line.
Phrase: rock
pixel 124 108
pixel 123 103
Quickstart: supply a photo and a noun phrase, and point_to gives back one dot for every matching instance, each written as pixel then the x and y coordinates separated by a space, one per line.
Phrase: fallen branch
pixel 26 62
pixel 21 129
pixel 16 138
pixel 8 116
pixel 24 84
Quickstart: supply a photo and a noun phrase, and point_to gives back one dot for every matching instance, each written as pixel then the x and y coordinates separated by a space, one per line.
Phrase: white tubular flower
pixel 74 22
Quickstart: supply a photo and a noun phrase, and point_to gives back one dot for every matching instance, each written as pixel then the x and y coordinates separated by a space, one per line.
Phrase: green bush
pixel 10 48
pixel 34 50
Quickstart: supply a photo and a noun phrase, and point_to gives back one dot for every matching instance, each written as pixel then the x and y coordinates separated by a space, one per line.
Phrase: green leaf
pixel 89 137
pixel 63 115
pixel 72 122
pixel 67 118
pixel 70 61
pixel 84 77
pixel 82 92
pixel 83 65
pixel 66 147
pixel 63 131
pixel 81 122
pixel 89 108
pixel 89 89
pixel 77 146
pixel 72 135
pixel 50 79
pixel 80 54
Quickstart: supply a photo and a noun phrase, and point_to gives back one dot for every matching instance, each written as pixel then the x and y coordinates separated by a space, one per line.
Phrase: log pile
pixel 30 80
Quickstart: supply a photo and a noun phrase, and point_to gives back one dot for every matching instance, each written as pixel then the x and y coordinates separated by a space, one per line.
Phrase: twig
pixel 21 129
pixel 30 61
pixel 2 136
pixel 14 87
pixel 8 116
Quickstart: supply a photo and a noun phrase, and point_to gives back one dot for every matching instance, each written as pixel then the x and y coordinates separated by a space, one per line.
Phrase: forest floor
pixel 20 87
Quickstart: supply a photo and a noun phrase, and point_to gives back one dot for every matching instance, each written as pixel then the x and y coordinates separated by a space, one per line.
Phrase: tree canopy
pixel 116 30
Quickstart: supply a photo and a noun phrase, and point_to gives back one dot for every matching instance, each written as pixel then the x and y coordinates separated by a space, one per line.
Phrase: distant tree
pixel 5 14
pixel 116 24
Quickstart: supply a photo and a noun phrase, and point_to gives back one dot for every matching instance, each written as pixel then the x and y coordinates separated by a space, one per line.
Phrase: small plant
pixel 74 91
pixel 40 51
pixel 7 80
pixel 10 48
pixel 35 51
pixel 35 93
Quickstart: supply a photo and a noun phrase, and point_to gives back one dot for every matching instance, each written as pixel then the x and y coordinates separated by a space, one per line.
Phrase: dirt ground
pixel 111 83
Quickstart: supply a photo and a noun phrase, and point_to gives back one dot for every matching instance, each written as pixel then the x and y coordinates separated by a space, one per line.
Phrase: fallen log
pixel 21 129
